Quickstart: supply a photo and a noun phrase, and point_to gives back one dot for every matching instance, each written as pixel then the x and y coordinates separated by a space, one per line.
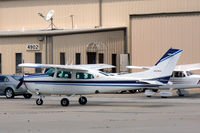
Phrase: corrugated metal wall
pixel 23 14
pixel 152 36
pixel 9 46
pixel 77 43
pixel 116 12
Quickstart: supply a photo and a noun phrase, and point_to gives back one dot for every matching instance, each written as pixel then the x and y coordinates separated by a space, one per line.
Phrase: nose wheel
pixel 39 101
pixel 82 100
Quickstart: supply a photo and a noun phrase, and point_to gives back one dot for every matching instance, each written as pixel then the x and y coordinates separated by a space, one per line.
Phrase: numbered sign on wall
pixel 33 47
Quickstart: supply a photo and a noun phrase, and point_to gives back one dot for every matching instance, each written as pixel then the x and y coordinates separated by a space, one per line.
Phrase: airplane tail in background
pixel 163 68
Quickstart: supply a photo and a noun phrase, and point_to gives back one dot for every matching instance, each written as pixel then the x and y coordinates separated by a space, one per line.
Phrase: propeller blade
pixel 20 83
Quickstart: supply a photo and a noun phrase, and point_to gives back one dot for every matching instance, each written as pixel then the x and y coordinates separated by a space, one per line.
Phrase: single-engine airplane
pixel 182 78
pixel 81 80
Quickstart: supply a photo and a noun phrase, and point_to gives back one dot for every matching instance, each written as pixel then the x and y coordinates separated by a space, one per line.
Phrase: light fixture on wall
pixel 48 17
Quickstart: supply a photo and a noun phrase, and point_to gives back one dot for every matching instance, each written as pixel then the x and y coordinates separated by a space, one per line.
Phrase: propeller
pixel 21 81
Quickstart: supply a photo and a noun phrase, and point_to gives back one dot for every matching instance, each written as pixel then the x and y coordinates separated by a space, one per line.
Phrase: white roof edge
pixel 57 31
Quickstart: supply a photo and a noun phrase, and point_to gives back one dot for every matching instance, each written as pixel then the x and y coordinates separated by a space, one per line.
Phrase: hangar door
pixel 152 35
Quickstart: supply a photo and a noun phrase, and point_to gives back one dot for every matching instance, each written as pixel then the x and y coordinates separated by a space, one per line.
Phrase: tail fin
pixel 163 68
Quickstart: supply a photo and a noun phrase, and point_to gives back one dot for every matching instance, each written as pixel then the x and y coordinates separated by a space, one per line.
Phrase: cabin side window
pixel 189 73
pixel 179 74
pixel 64 74
pixel 81 75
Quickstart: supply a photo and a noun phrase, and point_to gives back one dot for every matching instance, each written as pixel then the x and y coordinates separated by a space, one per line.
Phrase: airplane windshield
pixel 50 71
pixel 189 73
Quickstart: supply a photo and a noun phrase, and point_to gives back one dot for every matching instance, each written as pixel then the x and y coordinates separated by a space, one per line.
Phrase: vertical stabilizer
pixel 163 68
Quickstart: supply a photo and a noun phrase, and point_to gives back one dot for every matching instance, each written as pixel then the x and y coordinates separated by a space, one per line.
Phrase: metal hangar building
pixel 117 32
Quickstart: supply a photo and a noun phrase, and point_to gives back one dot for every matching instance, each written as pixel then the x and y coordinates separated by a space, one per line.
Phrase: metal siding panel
pixel 20 14
pixel 116 12
pixel 10 46
pixel 77 43
pixel 24 14
pixel 152 36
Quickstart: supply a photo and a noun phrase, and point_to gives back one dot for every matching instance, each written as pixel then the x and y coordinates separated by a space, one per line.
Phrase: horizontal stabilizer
pixel 138 67
pixel 152 82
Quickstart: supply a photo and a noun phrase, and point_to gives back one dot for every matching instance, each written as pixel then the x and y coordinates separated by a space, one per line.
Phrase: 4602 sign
pixel 33 47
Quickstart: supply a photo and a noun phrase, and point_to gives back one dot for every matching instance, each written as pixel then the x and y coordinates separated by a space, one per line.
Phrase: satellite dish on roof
pixel 49 15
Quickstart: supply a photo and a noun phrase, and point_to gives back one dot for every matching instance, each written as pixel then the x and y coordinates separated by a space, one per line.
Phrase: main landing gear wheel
pixel 181 95
pixel 27 96
pixel 82 100
pixel 155 90
pixel 39 101
pixel 64 102
pixel 132 91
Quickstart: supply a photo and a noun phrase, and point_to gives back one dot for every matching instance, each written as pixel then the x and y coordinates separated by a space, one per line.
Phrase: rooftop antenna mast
pixel 48 17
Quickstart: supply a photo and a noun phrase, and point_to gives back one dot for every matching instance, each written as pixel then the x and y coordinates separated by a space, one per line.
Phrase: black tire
pixel 132 91
pixel 82 100
pixel 155 90
pixel 164 97
pixel 9 93
pixel 121 92
pixel 181 95
pixel 27 96
pixel 64 102
pixel 39 101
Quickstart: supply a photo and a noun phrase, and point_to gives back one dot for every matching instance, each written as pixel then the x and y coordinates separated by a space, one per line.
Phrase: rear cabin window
pixel 81 75
pixel 64 74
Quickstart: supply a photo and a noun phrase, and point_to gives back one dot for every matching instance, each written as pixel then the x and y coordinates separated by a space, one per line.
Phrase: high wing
pixel 72 67
pixel 188 67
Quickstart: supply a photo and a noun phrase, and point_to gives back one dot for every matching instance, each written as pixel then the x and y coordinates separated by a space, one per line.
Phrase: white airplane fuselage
pixel 47 85
pixel 183 81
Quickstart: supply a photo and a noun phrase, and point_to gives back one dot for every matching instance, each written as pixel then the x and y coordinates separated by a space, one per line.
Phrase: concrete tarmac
pixel 104 113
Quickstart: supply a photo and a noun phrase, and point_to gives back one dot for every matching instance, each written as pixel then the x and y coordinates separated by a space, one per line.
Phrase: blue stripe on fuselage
pixel 90 81
pixel 94 84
